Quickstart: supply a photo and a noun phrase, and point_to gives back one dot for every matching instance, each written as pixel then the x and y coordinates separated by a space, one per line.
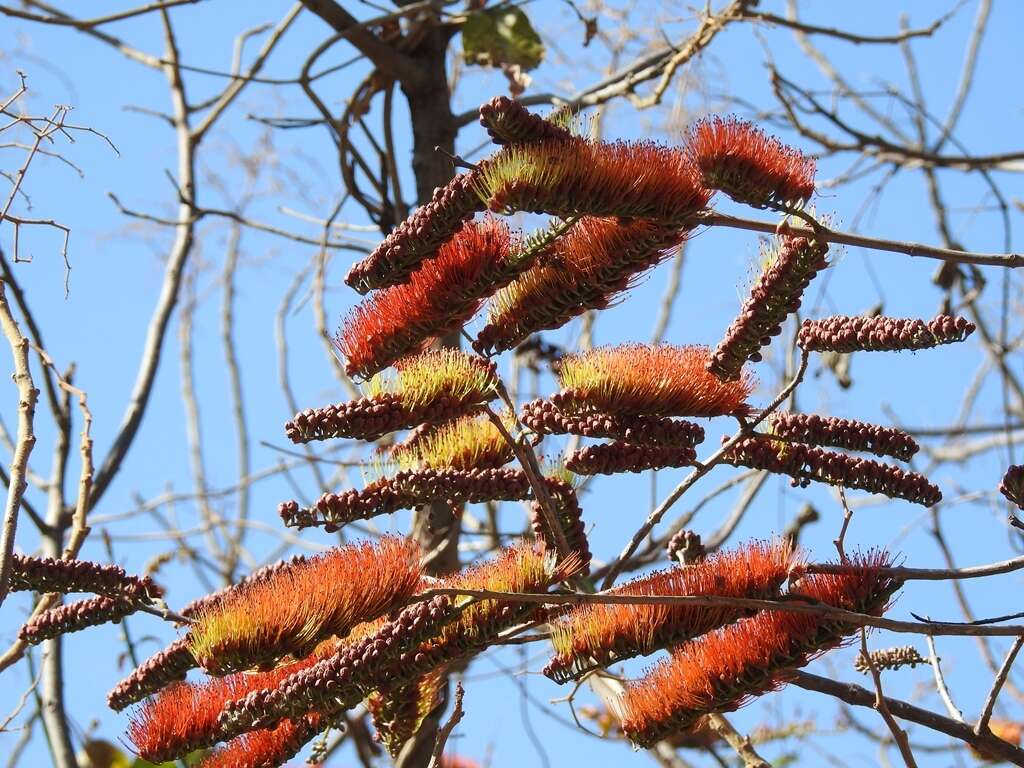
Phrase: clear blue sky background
pixel 118 269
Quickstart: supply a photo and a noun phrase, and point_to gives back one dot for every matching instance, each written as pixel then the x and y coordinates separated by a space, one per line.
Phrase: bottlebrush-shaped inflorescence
pixel 184 716
pixel 790 266
pixel 466 443
pixel 289 613
pixel 587 268
pixel 594 635
pixel 748 165
pixel 266 746
pixel 162 668
pixel 662 380
pixel 398 710
pixel 720 671
pixel 569 177
pixel 841 333
pixel 436 386
pixel 440 296
pixel 75 617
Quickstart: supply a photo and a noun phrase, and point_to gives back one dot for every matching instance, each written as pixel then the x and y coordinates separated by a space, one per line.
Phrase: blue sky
pixel 117 268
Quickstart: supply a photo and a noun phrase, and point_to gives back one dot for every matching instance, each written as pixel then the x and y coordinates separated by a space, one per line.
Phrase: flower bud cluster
pixel 398 710
pixel 159 670
pixel 76 616
pixel 509 122
pixel 1012 485
pixel 777 293
pixel 48 574
pixel 419 236
pixel 407 490
pixel 851 435
pixel 570 517
pixel 889 658
pixel 369 418
pixel 842 333
pixel 547 418
pixel 685 547
pixel 805 463
pixel 619 456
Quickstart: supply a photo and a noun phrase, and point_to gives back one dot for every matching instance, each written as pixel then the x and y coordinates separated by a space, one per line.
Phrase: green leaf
pixel 495 37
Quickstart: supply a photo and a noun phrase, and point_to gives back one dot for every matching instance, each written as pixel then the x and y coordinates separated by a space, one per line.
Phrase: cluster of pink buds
pixel 1012 485
pixel 158 671
pixel 620 456
pixel 777 293
pixel 843 433
pixel 509 122
pixel 418 237
pixel 841 333
pixel 48 574
pixel 806 463
pixel 545 418
pixel 75 617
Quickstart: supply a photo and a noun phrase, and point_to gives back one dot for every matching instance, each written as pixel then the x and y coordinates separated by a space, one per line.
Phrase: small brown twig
pixel 741 744
pixel 446 730
pixel 898 733
pixel 997 684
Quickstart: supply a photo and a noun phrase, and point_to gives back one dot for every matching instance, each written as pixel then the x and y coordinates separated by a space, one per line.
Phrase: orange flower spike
pixel 572 176
pixel 294 609
pixel 266 746
pixel 748 165
pixel 720 671
pixel 587 268
pixel 470 442
pixel 662 380
pixel 592 636
pixel 440 296
pixel 183 717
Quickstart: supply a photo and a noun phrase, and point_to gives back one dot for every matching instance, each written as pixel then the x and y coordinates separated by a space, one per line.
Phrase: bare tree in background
pixel 413 59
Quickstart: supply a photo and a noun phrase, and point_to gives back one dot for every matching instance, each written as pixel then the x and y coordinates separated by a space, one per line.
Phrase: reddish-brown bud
pixel 48 574
pixel 509 122
pixel 843 433
pixel 619 456
pixel 159 670
pixel 841 333
pixel 546 418
pixel 74 617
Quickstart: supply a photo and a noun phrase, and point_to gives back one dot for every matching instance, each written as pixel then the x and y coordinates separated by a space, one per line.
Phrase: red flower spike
pixel 663 380
pixel 419 236
pixel 751 167
pixel 509 122
pixel 587 268
pixel 407 490
pixel 777 294
pixel 379 656
pixel 74 617
pixel 260 574
pixel 159 670
pixel 267 746
pixel 570 177
pixel 843 433
pixel 436 385
pixel 439 297
pixel 595 635
pixel 1012 485
pixel 841 333
pixel 298 607
pixel 621 456
pixel 722 670
pixel 546 418
pixel 184 716
pixel 806 463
